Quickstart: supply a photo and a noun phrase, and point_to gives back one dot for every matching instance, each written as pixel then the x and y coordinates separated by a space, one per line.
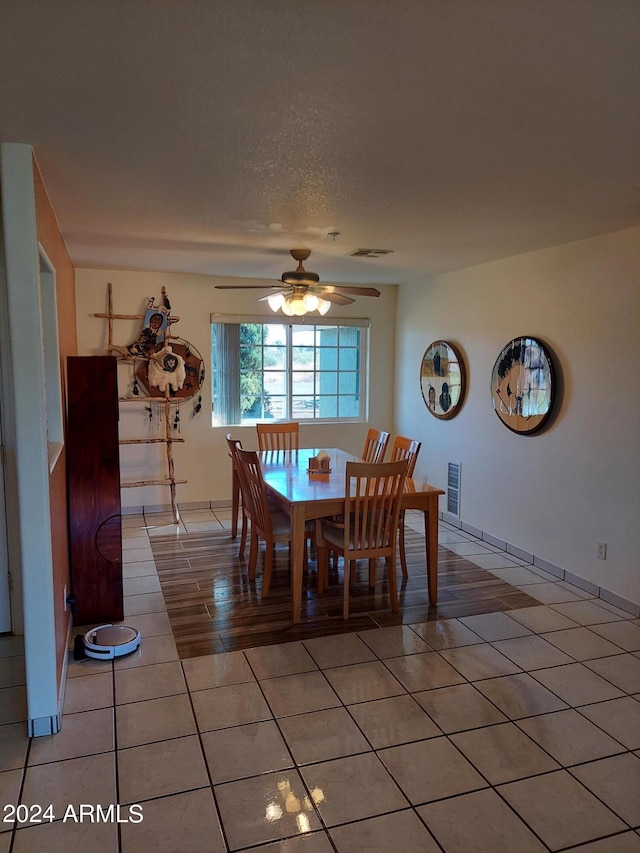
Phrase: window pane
pixel 252 408
pixel 276 407
pixel 275 382
pixel 349 336
pixel 349 358
pixel 349 383
pixel 275 333
pixel 328 336
pixel 303 408
pixel 302 336
pixel 327 407
pixel 327 358
pixel 302 382
pixel 302 358
pixel 275 358
pixel 327 382
pixel 349 406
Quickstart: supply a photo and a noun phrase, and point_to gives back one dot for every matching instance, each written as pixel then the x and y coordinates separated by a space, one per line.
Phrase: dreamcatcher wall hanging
pixel 175 372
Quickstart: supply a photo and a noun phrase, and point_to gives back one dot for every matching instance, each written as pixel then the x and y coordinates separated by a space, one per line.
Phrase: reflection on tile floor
pixel 502 731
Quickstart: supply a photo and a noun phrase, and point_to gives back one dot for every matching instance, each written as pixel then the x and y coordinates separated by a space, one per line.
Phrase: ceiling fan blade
pixel 248 287
pixel 337 298
pixel 357 291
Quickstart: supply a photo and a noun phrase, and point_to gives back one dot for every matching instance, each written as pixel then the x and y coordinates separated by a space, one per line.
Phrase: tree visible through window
pixel 287 371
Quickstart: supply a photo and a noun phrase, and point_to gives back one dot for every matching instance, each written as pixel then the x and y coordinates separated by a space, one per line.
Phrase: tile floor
pixel 511 732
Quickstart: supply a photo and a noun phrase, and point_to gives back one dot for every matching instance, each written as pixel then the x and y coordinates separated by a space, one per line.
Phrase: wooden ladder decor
pixel 165 402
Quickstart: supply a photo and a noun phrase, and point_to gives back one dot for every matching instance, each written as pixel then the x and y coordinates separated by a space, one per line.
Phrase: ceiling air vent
pixel 370 253
pixel 454 471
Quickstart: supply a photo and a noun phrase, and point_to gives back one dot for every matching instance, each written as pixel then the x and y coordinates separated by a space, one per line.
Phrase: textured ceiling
pixel 210 136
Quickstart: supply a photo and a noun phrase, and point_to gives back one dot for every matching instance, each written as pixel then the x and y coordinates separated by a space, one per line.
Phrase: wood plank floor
pixel 213 607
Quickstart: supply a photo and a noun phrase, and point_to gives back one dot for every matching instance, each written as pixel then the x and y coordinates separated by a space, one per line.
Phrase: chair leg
pixel 268 566
pixel 347 573
pixel 253 555
pixel 243 535
pixel 323 569
pixel 403 555
pixel 372 574
pixel 393 584
pixel 235 503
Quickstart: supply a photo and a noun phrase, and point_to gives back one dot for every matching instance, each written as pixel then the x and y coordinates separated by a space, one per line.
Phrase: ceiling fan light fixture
pixel 311 301
pixel 298 308
pixel 276 301
pixel 323 306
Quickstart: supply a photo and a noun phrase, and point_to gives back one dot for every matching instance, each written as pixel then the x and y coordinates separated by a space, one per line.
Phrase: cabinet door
pixel 93 466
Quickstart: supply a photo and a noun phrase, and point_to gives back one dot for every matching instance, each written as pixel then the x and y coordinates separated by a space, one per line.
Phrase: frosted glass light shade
pixel 298 307
pixel 287 309
pixel 276 301
pixel 323 306
pixel 311 301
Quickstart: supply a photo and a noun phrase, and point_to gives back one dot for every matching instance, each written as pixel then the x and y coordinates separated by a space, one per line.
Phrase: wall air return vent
pixel 370 253
pixel 454 472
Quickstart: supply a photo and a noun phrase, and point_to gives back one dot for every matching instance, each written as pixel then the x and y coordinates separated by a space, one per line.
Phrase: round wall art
pixel 442 379
pixel 522 385
pixel 182 359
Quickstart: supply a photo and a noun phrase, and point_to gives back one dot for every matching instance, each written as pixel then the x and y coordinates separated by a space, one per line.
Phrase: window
pixel 287 371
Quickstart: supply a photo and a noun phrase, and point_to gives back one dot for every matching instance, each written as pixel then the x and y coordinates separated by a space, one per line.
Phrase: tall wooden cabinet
pixel 93 467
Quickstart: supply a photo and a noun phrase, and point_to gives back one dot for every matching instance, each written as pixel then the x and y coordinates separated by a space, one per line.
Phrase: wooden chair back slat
pixel 254 490
pixel 406 448
pixel 375 446
pixel 278 436
pixel 372 506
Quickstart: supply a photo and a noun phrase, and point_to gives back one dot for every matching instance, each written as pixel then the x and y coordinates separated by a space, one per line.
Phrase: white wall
pixel 556 493
pixel 203 459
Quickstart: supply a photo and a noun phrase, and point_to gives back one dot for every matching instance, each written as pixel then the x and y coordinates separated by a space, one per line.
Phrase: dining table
pixel 305 494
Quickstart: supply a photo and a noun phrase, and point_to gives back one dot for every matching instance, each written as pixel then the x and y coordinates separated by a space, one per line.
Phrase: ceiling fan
pixel 302 291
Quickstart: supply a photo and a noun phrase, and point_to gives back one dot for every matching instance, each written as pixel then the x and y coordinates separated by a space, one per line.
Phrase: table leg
pixel 431 534
pixel 297 558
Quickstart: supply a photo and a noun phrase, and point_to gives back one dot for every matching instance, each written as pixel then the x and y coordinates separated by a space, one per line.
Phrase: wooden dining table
pixel 304 496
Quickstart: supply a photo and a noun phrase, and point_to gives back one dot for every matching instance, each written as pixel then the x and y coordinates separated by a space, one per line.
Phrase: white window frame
pixel 363 324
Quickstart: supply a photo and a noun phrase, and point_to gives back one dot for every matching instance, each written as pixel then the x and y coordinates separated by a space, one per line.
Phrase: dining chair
pixel 375 446
pixel 369 529
pixel 235 445
pixel 278 436
pixel 271 525
pixel 404 448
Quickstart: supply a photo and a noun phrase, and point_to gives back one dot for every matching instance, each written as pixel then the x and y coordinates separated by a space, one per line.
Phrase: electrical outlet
pixel 601 550
pixel 65 597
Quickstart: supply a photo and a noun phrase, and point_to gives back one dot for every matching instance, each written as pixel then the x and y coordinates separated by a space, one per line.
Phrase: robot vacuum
pixel 109 641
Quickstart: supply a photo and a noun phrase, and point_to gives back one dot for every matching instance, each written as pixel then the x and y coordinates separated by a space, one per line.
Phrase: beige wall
pixel 556 493
pixel 203 459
